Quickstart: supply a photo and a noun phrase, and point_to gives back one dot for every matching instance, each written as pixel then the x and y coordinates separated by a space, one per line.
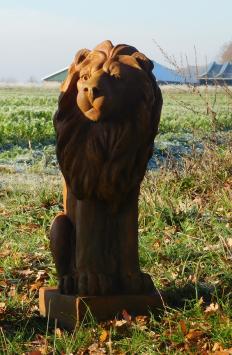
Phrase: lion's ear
pixel 81 56
pixel 73 72
pixel 145 63
pixel 70 80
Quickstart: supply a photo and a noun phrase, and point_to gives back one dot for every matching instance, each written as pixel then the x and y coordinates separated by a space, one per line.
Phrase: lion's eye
pixel 85 77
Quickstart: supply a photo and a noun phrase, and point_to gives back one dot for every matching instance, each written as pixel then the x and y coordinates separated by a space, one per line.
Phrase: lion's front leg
pixel 96 252
pixel 132 279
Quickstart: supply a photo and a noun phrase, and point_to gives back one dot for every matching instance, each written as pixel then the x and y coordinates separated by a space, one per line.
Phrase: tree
pixel 226 54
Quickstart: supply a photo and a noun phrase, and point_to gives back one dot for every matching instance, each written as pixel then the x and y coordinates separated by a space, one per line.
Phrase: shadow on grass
pixel 179 297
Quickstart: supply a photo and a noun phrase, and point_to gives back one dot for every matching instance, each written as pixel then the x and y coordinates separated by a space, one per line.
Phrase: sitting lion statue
pixel 107 118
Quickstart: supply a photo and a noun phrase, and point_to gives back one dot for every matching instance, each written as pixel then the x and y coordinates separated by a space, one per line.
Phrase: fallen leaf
pixel 212 308
pixel 58 333
pixel 216 347
pixel 122 327
pixel 5 253
pixel 26 272
pixel 142 320
pixel 229 242
pixel 36 286
pixel 126 316
pixel 95 350
pixel 120 323
pixel 183 327
pixel 34 308
pixel 103 336
pixel 192 278
pixel 2 307
pixel 223 352
pixel 41 275
pixel 156 245
pixel 194 334
pixel 3 283
pixel 40 343
pixel 12 291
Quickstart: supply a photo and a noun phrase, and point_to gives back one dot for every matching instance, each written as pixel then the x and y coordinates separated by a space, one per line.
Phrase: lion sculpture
pixel 107 118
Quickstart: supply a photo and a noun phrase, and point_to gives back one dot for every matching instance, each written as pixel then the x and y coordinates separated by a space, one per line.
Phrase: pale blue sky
pixel 38 37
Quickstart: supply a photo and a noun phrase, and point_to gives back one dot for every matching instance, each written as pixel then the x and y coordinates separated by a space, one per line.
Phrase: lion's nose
pixel 92 92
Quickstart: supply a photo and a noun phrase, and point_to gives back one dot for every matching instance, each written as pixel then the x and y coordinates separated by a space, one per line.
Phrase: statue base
pixel 70 311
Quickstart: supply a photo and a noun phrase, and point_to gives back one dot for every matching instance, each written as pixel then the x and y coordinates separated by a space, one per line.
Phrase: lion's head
pixel 108 115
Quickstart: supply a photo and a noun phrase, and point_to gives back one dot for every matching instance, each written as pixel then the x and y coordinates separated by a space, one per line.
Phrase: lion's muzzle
pixel 92 92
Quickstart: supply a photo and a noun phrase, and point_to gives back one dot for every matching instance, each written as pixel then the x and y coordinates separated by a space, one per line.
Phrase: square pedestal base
pixel 71 310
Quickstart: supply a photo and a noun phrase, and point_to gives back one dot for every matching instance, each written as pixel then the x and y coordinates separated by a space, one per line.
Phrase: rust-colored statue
pixel 106 122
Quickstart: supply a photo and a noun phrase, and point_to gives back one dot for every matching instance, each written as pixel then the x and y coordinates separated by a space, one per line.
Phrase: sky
pixel 40 37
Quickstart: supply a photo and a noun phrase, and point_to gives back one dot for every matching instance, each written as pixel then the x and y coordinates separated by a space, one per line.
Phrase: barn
pixel 217 74
pixel 58 76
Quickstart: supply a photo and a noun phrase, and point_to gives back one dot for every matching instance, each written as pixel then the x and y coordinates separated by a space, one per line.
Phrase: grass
pixel 185 225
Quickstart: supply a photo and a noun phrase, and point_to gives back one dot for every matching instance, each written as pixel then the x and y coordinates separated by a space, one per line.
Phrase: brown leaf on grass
pixel 156 245
pixel 12 291
pixel 25 272
pixel 126 316
pixel 194 334
pixel 40 343
pixel 104 335
pixel 122 327
pixel 229 242
pixel 183 327
pixel 170 230
pixel 216 346
pixel 36 286
pixel 120 323
pixel 5 253
pixel 212 308
pixel 192 278
pixel 94 349
pixel 2 307
pixel 34 308
pixel 223 352
pixel 28 227
pixel 142 320
pixel 34 352
pixel 3 284
pixel 41 275
pixel 58 333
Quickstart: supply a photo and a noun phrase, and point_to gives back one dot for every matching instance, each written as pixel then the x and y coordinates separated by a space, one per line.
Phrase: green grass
pixel 26 113
pixel 185 225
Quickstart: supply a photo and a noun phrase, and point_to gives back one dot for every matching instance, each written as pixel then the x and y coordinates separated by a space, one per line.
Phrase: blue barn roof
pixel 167 75
pixel 218 72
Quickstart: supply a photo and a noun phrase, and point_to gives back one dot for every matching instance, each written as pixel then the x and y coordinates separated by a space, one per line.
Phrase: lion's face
pixel 109 80
pixel 99 92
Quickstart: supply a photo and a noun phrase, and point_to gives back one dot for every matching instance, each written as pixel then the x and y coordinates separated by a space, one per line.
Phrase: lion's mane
pixel 107 159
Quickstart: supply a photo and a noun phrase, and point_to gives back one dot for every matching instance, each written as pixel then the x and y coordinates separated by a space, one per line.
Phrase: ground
pixel 185 227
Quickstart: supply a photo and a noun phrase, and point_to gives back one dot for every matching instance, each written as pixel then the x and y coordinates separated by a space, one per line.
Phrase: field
pixel 185 226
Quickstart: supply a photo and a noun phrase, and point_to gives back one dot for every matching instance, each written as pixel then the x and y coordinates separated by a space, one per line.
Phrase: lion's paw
pixel 86 284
